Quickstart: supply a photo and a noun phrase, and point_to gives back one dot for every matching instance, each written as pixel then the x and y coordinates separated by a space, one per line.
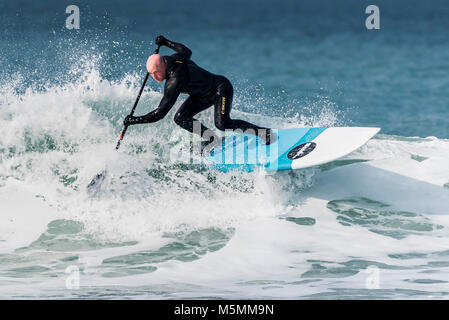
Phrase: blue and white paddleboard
pixel 295 148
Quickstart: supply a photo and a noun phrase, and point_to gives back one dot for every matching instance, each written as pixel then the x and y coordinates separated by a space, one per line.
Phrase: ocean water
pixel 373 225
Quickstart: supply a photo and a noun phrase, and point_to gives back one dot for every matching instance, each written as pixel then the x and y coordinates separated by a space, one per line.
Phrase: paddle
pixel 98 179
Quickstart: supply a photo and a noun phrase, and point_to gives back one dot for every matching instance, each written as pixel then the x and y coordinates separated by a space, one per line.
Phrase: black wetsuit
pixel 204 88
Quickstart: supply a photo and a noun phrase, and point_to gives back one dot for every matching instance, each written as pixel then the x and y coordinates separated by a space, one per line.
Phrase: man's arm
pixel 171 94
pixel 178 47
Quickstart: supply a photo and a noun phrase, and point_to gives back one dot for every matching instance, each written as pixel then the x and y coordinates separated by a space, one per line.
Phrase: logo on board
pixel 301 150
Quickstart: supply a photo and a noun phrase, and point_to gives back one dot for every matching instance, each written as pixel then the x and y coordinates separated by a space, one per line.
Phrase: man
pixel 205 89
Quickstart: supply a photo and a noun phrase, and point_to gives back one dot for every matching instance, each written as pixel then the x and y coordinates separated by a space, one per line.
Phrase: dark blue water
pixel 284 57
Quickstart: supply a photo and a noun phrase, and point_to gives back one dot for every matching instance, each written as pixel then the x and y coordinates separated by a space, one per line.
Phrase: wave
pixel 152 211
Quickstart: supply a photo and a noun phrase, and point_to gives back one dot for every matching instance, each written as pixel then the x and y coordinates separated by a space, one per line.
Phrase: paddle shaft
pixel 135 105
pixel 132 111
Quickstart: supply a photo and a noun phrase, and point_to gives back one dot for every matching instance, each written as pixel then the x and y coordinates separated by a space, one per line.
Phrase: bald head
pixel 156 67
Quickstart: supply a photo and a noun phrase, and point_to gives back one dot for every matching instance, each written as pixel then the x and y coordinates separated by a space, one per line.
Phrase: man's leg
pixel 184 116
pixel 223 121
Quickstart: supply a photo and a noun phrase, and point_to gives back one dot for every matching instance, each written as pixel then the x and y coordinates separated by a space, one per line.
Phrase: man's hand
pixel 160 40
pixel 129 121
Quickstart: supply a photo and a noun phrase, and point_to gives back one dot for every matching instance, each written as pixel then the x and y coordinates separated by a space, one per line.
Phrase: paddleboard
pixel 295 148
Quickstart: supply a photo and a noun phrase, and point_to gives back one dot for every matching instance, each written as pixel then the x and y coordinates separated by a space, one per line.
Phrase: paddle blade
pixel 94 185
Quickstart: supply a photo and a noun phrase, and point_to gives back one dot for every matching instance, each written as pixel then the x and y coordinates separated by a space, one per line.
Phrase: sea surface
pixel 372 225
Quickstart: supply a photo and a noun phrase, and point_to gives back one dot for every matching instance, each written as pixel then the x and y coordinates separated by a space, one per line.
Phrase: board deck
pixel 294 148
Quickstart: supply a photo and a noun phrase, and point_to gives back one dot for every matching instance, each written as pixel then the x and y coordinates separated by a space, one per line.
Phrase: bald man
pixel 205 89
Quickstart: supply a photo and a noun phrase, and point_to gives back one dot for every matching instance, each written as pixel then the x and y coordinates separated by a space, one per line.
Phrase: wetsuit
pixel 204 88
